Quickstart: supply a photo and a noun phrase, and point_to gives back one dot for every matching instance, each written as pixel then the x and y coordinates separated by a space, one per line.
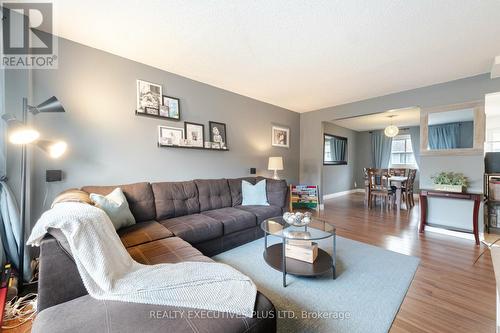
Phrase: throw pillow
pixel 116 206
pixel 72 195
pixel 254 194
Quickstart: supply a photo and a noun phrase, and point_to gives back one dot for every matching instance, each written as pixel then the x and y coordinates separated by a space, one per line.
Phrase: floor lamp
pixel 22 134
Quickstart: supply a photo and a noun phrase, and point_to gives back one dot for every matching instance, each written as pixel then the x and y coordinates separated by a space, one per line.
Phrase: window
pixel 402 152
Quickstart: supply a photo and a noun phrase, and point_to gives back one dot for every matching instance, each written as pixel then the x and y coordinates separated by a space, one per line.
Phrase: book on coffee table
pixel 304 251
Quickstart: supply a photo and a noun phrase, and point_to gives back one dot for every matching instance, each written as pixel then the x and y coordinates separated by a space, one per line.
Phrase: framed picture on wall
pixel 194 134
pixel 280 137
pixel 170 108
pixel 152 111
pixel 170 136
pixel 148 95
pixel 217 133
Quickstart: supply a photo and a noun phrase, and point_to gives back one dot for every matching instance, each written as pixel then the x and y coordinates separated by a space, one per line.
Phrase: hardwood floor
pixel 448 293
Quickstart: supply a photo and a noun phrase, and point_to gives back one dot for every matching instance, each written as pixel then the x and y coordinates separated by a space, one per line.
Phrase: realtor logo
pixel 27 40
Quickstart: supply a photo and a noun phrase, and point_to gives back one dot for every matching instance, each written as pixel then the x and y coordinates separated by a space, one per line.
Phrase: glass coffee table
pixel 275 255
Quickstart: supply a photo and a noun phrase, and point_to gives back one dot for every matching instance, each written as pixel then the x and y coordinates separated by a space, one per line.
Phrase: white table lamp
pixel 275 164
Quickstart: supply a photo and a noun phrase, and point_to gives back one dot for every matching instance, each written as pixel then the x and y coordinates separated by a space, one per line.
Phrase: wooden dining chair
pixel 366 184
pixel 398 172
pixel 378 186
pixel 402 172
pixel 410 183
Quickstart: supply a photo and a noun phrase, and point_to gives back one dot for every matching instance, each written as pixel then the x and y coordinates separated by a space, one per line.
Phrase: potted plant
pixel 450 182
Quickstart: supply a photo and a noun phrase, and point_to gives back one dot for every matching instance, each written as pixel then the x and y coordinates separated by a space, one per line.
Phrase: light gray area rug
pixel 370 287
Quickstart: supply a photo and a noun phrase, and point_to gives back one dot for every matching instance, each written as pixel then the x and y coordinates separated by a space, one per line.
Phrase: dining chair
pixel 378 186
pixel 366 184
pixel 398 172
pixel 412 174
pixel 403 172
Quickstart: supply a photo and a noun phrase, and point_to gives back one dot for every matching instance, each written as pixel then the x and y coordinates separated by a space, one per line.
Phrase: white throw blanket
pixel 109 272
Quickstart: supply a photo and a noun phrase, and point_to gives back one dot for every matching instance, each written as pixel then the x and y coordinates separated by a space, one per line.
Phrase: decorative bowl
pixel 297 219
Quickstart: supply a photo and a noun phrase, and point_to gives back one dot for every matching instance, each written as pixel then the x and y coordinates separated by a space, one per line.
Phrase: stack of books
pixel 301 250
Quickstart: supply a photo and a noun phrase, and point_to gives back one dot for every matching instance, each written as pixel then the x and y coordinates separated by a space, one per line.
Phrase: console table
pixel 476 197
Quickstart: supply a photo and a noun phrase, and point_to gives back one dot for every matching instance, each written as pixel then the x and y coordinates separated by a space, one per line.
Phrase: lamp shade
pixel 275 163
pixel 50 105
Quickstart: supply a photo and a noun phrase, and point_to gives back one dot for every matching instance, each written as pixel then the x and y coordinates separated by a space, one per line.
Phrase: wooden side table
pixel 476 197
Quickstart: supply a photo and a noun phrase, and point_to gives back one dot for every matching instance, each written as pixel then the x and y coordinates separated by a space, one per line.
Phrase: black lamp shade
pixel 50 105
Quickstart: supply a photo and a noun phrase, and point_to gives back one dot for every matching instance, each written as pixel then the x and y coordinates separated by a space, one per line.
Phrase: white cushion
pixel 116 207
pixel 254 194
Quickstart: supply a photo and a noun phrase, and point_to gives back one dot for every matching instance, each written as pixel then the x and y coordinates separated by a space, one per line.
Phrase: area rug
pixel 370 287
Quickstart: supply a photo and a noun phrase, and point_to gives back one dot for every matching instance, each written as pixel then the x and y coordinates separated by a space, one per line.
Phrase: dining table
pixel 398 182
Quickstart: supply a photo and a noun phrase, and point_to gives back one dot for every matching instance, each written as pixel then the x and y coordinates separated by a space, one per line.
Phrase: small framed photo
pixel 194 134
pixel 170 136
pixel 148 95
pixel 280 137
pixel 152 111
pixel 170 108
pixel 218 133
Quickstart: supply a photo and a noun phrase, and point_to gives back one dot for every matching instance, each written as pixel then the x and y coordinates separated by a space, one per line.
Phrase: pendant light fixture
pixel 391 130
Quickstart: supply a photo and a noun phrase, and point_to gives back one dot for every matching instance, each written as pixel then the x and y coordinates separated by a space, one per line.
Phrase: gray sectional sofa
pixel 176 221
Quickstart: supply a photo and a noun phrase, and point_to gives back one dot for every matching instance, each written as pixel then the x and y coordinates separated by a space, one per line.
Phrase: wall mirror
pixel 452 129
pixel 334 150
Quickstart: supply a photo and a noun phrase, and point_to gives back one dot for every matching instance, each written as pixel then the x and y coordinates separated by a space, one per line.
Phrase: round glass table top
pixel 317 229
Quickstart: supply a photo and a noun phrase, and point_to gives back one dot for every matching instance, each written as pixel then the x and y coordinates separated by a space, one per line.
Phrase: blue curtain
pixel 415 142
pixel 338 149
pixel 381 149
pixel 445 136
pixel 10 220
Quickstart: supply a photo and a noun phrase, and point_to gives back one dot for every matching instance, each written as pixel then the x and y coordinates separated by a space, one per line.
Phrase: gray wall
pixel 109 144
pixel 338 178
pixel 363 156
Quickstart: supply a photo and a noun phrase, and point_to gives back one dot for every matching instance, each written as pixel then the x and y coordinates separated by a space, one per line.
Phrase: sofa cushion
pixel 86 314
pixel 232 219
pixel 262 212
pixel 115 205
pixel 277 192
pixel 213 193
pixel 173 199
pixel 194 228
pixel 139 196
pixel 143 232
pixel 254 194
pixel 168 250
pixel 235 188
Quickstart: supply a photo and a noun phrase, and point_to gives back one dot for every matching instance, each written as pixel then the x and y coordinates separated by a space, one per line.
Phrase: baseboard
pixel 339 194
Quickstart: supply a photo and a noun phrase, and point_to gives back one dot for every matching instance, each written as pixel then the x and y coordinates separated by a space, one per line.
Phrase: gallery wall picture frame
pixel 170 108
pixel 280 136
pixel 148 94
pixel 194 133
pixel 217 133
pixel 151 111
pixel 170 136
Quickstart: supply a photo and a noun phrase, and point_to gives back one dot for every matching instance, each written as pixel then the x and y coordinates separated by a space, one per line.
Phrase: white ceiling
pixel 402 117
pixel 301 55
